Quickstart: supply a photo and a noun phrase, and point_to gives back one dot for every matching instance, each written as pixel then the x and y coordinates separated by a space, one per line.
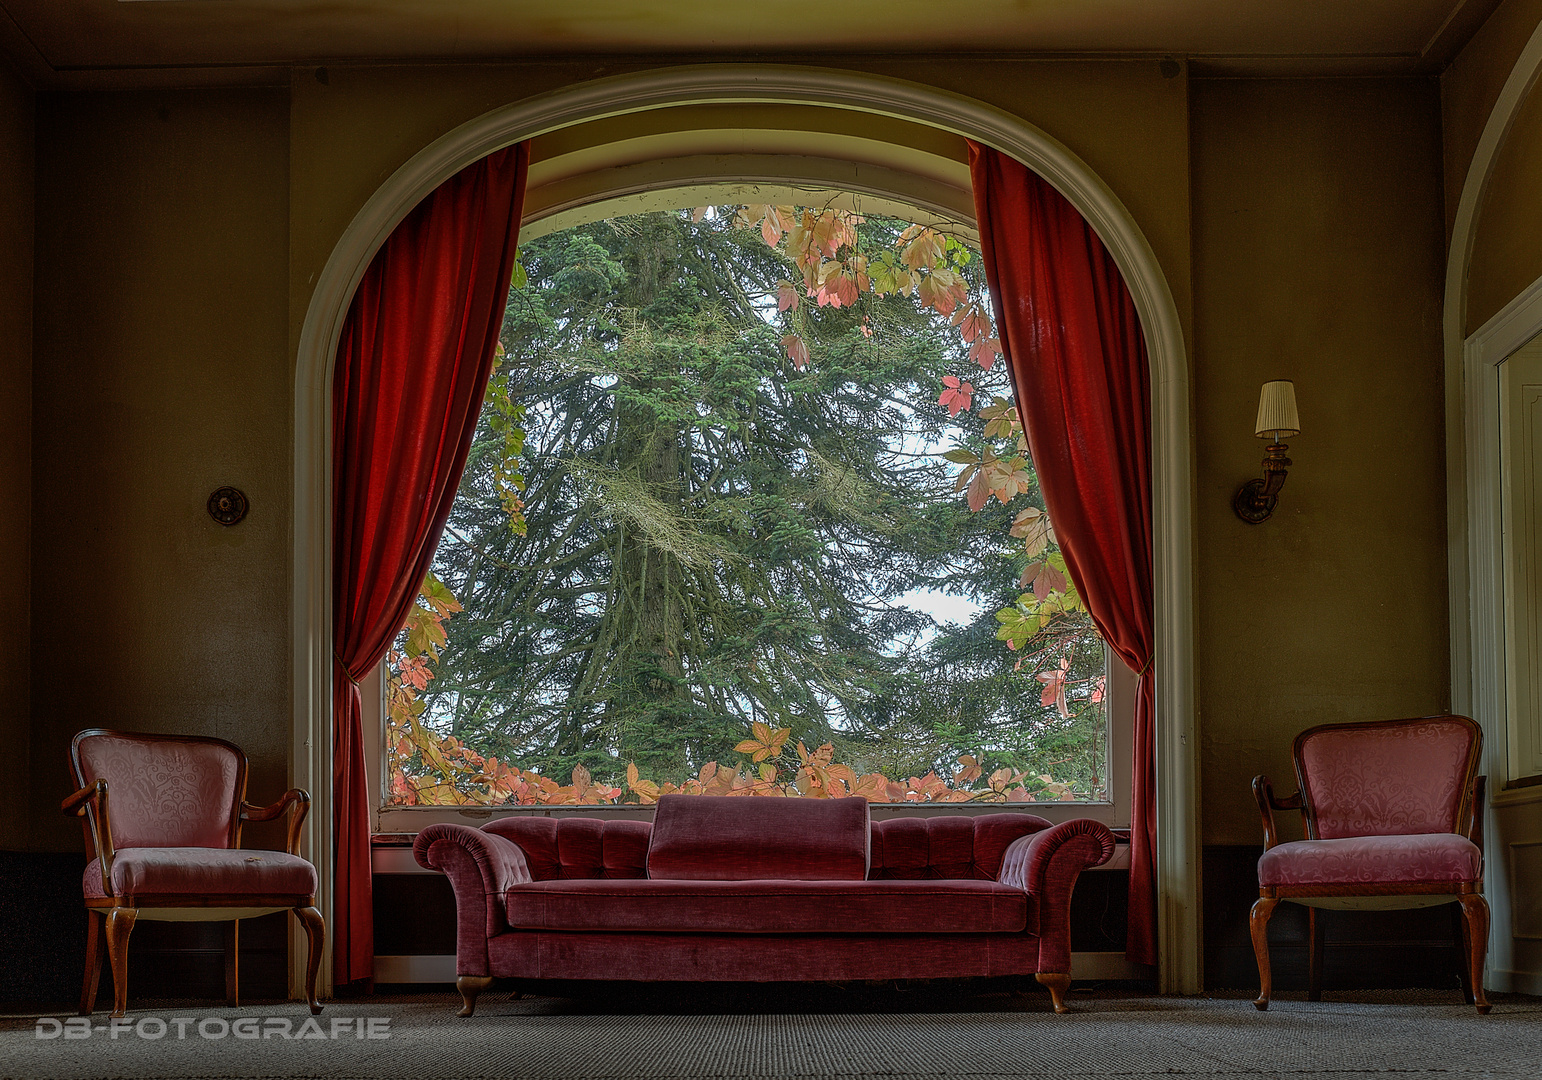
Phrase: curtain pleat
pixel 412 365
pixel 1072 337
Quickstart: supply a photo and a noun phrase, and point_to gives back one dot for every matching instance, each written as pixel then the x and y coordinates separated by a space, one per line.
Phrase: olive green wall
pixel 352 131
pixel 1472 82
pixel 1317 257
pixel 179 235
pixel 16 199
pixel 1507 241
pixel 160 374
pixel 1507 237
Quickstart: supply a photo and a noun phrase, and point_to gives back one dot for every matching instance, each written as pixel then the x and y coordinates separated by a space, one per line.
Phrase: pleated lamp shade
pixel 1277 417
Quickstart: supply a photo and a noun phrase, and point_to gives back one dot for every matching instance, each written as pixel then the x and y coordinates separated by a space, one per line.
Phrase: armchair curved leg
pixel 470 986
pixel 1464 953
pixel 232 963
pixel 120 924
pixel 1258 923
pixel 93 975
pixel 1315 928
pixel 1057 983
pixel 315 938
pixel 1475 911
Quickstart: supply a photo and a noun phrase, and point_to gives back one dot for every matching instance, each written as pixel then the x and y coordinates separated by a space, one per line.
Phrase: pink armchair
pixel 1393 816
pixel 170 849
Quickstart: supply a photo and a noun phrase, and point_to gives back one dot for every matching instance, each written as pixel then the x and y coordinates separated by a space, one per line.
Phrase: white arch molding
pixel 1176 736
pixel 1473 492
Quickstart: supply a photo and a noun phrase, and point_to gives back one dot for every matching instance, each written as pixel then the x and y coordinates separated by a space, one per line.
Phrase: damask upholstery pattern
pixel 1386 780
pixel 1410 858
pixel 164 792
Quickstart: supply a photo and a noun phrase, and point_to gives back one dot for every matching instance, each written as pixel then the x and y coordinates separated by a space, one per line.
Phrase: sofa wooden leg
pixel 1057 983
pixel 120 923
pixel 1258 923
pixel 88 987
pixel 1475 909
pixel 470 986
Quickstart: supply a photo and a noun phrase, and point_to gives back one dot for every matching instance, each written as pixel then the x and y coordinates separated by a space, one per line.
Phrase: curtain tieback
pixel 346 673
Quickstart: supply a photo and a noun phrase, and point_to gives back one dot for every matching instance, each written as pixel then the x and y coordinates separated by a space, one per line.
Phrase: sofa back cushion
pixel 947 847
pixel 577 847
pixel 737 838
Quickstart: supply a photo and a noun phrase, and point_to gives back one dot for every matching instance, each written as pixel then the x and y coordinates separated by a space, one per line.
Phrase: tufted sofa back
pixel 578 847
pixel 908 847
pixel 947 847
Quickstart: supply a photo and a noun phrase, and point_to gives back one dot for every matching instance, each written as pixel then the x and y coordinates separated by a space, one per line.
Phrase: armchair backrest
pixel 163 790
pixel 1388 777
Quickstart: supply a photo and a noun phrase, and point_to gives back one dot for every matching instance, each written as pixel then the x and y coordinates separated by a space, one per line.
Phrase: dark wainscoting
pixel 414 915
pixel 43 930
pixel 43 945
pixel 1364 949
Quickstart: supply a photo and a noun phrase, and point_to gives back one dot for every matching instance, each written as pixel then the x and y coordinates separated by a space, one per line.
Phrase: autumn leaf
pixel 838 289
pixel 984 351
pixel 968 772
pixel 1032 526
pixel 943 290
pixel 764 743
pixel 797 350
pixel 786 296
pixel 1054 681
pixel 1048 580
pixel 956 395
pixel 923 247
pixel 1000 418
pixel 979 491
pixel 972 322
pixel 1007 477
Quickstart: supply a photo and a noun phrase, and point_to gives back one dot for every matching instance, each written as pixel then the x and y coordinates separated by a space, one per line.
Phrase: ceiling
pixel 102 42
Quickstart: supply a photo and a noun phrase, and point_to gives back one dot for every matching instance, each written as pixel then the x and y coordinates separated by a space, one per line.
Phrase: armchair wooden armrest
pixel 94 796
pixel 1263 791
pixel 1475 822
pixel 294 800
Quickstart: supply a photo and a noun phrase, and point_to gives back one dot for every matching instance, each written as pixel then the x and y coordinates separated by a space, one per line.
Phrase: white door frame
pixel 1482 353
pixel 1473 498
pixel 1178 854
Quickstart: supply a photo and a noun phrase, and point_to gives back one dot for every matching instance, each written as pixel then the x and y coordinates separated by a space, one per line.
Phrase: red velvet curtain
pixel 1072 338
pixel 412 366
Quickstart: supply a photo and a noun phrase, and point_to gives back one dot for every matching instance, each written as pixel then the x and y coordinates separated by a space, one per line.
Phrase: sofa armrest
pixel 481 867
pixel 1045 865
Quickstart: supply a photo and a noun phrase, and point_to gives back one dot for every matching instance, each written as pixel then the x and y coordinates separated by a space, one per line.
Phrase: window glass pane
pixel 747 511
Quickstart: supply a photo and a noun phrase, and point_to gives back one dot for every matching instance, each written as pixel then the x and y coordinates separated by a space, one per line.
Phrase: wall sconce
pixel 1277 420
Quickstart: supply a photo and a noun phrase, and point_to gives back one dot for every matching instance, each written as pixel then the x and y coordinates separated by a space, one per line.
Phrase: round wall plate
pixel 228 505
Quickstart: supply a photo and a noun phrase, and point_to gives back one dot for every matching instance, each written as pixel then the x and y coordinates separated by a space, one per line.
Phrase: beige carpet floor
pixel 790 1033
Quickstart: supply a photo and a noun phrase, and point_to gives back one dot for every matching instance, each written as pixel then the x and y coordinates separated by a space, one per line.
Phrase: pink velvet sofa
pixel 763 890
